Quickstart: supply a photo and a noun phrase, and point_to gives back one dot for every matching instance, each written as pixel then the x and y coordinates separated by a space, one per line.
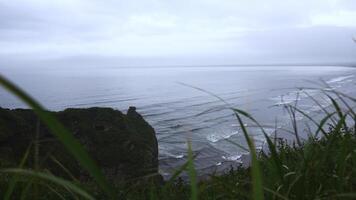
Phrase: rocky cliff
pixel 124 146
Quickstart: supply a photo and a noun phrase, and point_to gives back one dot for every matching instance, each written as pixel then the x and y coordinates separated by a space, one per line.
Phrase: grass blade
pixel 271 145
pixel 177 173
pixel 275 193
pixel 64 169
pixel 26 189
pixel 51 178
pixel 13 181
pixel 322 123
pixel 64 136
pixel 256 172
pixel 238 145
pixel 320 106
pixel 320 128
pixel 55 192
pixel 192 174
pixel 337 108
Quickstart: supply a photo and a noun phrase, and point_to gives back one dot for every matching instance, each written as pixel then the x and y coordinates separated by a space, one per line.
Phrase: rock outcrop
pixel 124 146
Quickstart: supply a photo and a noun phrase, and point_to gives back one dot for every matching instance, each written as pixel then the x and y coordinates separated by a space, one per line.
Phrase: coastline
pixel 278 166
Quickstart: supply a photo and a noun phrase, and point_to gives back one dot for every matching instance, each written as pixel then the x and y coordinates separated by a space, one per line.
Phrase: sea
pixel 190 103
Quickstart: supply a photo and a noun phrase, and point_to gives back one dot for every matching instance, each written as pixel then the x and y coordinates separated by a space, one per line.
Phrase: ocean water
pixel 179 102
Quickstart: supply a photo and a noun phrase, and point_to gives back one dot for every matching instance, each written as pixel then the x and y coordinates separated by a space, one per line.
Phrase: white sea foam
pixel 232 157
pixel 163 151
pixel 178 156
pixel 220 136
pixel 340 79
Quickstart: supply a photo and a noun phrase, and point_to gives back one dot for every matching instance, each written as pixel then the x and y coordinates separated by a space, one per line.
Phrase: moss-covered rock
pixel 124 146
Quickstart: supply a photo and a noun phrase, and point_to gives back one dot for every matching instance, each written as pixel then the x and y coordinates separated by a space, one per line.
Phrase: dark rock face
pixel 124 146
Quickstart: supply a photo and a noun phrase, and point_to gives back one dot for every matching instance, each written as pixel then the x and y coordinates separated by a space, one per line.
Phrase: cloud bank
pixel 206 31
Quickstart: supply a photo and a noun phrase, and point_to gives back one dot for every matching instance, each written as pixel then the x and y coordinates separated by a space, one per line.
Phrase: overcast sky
pixel 198 31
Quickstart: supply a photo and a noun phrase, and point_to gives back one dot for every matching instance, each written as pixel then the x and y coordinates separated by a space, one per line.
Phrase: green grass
pixel 64 136
pixel 317 167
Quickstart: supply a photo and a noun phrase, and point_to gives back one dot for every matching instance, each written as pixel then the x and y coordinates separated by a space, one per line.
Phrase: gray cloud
pixel 278 29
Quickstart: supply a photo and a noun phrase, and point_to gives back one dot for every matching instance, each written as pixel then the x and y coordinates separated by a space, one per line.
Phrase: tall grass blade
pixel 26 189
pixel 64 169
pixel 340 124
pixel 320 106
pixel 271 145
pixel 341 94
pixel 292 116
pixel 256 172
pixel 36 156
pixel 320 128
pixel 192 174
pixel 337 108
pixel 322 123
pixel 176 174
pixel 56 192
pixel 51 178
pixel 205 91
pixel 64 136
pixel 275 193
pixel 238 145
pixel 13 181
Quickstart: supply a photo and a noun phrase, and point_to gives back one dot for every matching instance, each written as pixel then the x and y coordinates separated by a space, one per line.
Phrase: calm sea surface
pixel 179 112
